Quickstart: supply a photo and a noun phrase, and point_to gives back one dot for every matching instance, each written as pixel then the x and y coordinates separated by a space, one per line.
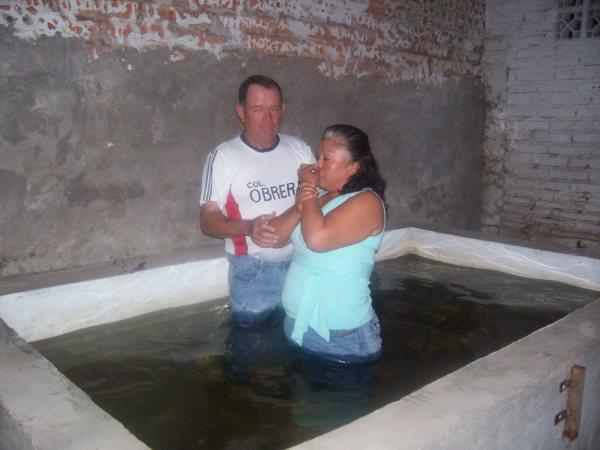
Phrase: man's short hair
pixel 260 80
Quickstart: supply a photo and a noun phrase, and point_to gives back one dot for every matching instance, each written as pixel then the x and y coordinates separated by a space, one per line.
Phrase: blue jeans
pixel 357 345
pixel 254 288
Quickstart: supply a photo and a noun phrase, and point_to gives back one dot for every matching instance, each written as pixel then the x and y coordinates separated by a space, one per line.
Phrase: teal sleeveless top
pixel 329 290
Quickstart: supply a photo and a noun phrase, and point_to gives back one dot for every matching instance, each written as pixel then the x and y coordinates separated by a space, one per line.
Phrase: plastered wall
pixel 108 110
pixel 542 143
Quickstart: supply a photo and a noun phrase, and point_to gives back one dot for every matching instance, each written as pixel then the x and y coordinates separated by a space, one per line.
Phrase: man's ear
pixel 283 108
pixel 239 110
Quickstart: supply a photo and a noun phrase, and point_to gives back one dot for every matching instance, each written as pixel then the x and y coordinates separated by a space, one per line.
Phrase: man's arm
pixel 214 223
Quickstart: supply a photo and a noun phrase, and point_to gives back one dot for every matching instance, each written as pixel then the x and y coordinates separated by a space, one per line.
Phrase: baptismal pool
pixel 184 378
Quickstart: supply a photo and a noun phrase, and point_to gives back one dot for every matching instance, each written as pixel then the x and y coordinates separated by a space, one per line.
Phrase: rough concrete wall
pixel 108 110
pixel 542 140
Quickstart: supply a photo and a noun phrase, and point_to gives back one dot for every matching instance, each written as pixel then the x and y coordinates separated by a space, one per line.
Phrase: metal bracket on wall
pixel 572 414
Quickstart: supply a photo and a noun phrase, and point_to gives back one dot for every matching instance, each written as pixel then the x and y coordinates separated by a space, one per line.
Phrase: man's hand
pixel 214 223
pixel 261 233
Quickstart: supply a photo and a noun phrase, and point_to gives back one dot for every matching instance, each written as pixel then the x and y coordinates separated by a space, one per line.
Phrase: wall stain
pixel 13 190
pixel 80 192
pixel 416 205
pixel 63 148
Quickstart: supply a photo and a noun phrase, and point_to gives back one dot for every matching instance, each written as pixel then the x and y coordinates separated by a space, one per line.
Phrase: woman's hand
pixel 309 173
pixel 306 191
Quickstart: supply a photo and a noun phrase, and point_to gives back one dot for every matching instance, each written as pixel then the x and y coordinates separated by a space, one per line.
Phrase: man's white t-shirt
pixel 245 183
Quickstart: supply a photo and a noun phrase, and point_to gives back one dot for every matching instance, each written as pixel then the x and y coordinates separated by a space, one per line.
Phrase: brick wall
pixel 542 140
pixel 405 40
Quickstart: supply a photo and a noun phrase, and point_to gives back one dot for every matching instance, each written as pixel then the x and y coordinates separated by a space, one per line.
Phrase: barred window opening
pixel 577 19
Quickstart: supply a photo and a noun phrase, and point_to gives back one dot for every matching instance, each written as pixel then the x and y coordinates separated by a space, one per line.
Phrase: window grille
pixel 577 19
pixel 593 19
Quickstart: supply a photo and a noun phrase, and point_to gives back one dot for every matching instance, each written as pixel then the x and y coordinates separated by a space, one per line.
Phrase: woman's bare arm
pixel 286 222
pixel 354 220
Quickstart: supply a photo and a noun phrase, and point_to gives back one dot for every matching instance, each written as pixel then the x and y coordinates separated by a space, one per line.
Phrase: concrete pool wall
pixel 505 400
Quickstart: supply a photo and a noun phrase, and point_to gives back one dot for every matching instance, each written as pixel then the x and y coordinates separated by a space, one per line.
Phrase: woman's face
pixel 334 165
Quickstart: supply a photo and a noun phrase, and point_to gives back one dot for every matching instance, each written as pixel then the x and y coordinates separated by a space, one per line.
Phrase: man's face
pixel 261 115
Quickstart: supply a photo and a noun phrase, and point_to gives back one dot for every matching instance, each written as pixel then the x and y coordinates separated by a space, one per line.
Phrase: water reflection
pixel 326 394
pixel 259 359
pixel 318 394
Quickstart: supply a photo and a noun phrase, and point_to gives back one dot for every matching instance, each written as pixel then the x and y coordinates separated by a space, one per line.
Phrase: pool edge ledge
pixel 51 311
pixel 506 400
pixel 41 409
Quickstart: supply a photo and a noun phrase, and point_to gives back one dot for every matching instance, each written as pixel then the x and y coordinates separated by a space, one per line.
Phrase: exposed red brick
pixel 294 47
pixel 217 4
pixel 166 12
pixel 125 32
pixel 185 12
pixel 209 38
pixel 377 12
pixel 75 29
pixel 158 29
pixel 90 52
pixel 343 38
pixel 260 25
pixel 128 12
pixel 90 15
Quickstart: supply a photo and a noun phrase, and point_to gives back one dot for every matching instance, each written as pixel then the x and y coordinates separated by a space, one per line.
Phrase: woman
pixel 326 294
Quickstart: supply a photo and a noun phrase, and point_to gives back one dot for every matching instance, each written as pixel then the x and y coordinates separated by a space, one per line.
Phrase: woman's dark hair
pixel 356 143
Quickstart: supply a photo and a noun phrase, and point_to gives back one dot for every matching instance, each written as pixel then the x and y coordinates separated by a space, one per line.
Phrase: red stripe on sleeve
pixel 233 212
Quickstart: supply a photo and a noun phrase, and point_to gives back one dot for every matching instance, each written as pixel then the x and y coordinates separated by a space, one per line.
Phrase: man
pixel 246 182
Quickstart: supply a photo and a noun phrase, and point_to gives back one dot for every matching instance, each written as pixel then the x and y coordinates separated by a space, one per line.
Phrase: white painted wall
pixel 542 140
pixel 51 311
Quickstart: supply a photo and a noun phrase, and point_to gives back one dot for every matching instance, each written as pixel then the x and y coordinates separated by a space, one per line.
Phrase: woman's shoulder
pixel 366 196
pixel 365 207
pixel 365 199
pixel 361 202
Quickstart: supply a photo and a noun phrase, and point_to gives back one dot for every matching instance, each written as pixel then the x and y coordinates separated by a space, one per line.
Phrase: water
pixel 184 378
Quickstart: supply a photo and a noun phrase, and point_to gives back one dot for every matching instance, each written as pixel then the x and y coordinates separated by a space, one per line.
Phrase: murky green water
pixel 185 379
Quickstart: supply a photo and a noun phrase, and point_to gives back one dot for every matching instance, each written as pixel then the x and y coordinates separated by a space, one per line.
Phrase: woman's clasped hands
pixel 308 174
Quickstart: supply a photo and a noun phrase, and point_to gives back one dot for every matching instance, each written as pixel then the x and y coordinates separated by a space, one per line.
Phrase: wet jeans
pixel 254 288
pixel 354 346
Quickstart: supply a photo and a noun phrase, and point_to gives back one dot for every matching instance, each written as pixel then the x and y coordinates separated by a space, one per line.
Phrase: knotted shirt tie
pixel 313 306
